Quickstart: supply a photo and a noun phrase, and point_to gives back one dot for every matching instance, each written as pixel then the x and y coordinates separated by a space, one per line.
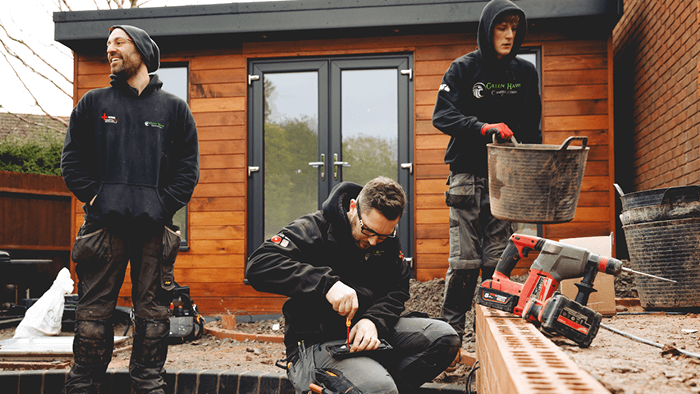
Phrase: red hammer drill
pixel 535 300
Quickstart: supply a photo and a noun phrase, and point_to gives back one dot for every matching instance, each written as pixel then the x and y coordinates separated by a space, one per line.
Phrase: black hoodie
pixel 139 154
pixel 478 88
pixel 315 251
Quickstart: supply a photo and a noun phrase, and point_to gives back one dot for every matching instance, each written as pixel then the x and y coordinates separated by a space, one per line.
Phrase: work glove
pixel 501 130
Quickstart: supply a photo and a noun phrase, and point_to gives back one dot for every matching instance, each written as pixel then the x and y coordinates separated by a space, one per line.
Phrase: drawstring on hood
pixel 150 53
pixel 490 13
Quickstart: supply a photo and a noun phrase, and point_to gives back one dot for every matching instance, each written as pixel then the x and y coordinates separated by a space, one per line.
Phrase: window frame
pixel 185 228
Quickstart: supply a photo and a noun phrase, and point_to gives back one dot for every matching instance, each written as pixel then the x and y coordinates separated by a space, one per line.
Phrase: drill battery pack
pixel 497 299
pixel 570 319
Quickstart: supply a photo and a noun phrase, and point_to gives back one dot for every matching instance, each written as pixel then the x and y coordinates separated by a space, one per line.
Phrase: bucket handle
pixel 574 138
pixel 512 139
pixel 679 190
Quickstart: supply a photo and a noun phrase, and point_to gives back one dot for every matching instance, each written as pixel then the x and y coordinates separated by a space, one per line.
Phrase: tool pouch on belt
pixel 334 380
pixel 301 370
pixel 91 244
pixel 461 191
pixel 171 245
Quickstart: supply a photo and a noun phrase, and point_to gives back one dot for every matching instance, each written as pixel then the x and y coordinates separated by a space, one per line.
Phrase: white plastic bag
pixel 44 317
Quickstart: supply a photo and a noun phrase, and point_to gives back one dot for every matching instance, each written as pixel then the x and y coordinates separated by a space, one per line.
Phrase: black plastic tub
pixel 533 183
pixel 662 229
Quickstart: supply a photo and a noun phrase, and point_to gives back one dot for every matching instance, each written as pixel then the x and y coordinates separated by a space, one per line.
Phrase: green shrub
pixel 39 155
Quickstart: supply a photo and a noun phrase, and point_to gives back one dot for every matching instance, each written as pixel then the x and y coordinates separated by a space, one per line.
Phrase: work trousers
pixel 422 349
pixel 477 241
pixel 102 255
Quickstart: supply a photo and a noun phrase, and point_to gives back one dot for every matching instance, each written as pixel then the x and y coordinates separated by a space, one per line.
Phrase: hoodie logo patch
pixel 481 89
pixel 280 240
pixel 109 119
pixel 444 87
pixel 154 124
pixel 478 90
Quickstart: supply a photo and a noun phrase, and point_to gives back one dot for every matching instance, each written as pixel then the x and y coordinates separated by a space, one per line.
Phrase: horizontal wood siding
pixel 34 212
pixel 575 103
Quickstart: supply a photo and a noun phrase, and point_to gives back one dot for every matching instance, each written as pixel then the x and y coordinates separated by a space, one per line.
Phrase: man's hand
pixel 364 336
pixel 502 131
pixel 344 299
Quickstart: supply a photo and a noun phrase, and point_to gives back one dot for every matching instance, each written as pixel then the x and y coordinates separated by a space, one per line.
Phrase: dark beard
pixel 129 67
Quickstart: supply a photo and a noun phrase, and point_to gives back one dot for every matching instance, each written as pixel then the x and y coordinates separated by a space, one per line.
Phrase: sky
pixel 31 21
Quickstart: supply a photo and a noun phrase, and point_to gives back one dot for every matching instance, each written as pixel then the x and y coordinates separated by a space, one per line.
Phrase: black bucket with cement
pixel 662 229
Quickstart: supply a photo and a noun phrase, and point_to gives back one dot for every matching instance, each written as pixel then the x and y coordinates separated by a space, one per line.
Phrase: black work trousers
pixel 422 349
pixel 102 255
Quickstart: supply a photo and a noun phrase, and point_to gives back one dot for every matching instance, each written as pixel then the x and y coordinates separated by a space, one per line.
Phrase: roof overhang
pixel 216 24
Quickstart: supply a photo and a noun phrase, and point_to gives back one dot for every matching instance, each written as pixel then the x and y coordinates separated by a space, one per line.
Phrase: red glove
pixel 504 132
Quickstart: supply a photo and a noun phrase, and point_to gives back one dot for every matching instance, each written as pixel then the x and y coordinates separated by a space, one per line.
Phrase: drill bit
pixel 649 275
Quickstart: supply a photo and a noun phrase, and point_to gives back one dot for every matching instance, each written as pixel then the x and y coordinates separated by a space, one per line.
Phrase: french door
pixel 314 123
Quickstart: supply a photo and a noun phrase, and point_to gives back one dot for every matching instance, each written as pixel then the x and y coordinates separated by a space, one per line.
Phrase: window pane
pixel 175 81
pixel 291 142
pixel 369 124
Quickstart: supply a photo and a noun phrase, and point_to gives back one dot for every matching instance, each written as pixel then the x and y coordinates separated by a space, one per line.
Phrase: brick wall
pixel 657 108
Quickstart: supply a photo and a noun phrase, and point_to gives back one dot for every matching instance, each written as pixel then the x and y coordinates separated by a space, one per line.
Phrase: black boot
pixel 148 356
pixel 459 293
pixel 92 351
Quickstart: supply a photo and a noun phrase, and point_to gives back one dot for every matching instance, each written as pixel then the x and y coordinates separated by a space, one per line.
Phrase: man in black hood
pixel 343 265
pixel 488 93
pixel 131 156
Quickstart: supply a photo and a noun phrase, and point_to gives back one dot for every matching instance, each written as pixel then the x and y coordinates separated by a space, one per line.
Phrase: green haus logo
pixel 154 124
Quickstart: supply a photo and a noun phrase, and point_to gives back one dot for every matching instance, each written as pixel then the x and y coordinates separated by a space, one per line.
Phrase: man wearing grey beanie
pixel 131 155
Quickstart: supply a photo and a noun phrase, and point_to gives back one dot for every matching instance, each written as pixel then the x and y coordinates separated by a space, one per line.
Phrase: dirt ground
pixel 622 365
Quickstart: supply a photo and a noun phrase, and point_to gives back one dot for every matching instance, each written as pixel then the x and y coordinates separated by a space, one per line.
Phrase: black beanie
pixel 144 44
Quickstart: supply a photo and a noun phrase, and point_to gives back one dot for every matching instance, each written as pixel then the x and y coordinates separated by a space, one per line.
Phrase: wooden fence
pixel 35 223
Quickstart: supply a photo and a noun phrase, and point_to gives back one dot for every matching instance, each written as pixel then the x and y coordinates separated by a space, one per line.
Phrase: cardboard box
pixel 602 301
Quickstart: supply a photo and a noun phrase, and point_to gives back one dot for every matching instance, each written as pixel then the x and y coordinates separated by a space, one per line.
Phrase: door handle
pixel 252 169
pixel 337 163
pixel 407 166
pixel 322 164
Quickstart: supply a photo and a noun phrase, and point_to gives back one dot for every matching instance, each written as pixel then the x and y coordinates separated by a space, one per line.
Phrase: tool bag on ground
pixel 307 378
pixel 186 324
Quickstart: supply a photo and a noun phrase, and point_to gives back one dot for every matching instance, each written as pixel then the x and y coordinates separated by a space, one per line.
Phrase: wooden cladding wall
pixel 34 212
pixel 576 101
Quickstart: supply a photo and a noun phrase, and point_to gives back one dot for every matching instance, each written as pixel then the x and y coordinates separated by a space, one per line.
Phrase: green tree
pixel 290 183
pixel 369 157
pixel 39 155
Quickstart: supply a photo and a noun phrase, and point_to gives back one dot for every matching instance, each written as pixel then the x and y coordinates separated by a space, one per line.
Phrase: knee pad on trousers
pixel 150 342
pixel 93 343
pixel 434 359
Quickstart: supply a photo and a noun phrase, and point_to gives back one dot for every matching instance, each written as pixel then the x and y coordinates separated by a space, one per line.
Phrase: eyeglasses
pixel 371 233
pixel 120 42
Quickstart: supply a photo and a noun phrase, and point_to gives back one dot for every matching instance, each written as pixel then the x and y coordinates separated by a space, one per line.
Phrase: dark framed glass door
pixel 316 122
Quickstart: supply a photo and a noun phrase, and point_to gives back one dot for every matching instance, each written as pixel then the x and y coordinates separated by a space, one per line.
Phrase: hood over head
pixel 337 205
pixel 489 14
pixel 150 53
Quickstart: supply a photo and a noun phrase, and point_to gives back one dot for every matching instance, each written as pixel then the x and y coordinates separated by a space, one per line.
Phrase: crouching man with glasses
pixel 346 279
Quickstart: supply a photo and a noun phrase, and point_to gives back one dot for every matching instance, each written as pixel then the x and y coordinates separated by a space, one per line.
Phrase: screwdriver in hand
pixel 347 341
